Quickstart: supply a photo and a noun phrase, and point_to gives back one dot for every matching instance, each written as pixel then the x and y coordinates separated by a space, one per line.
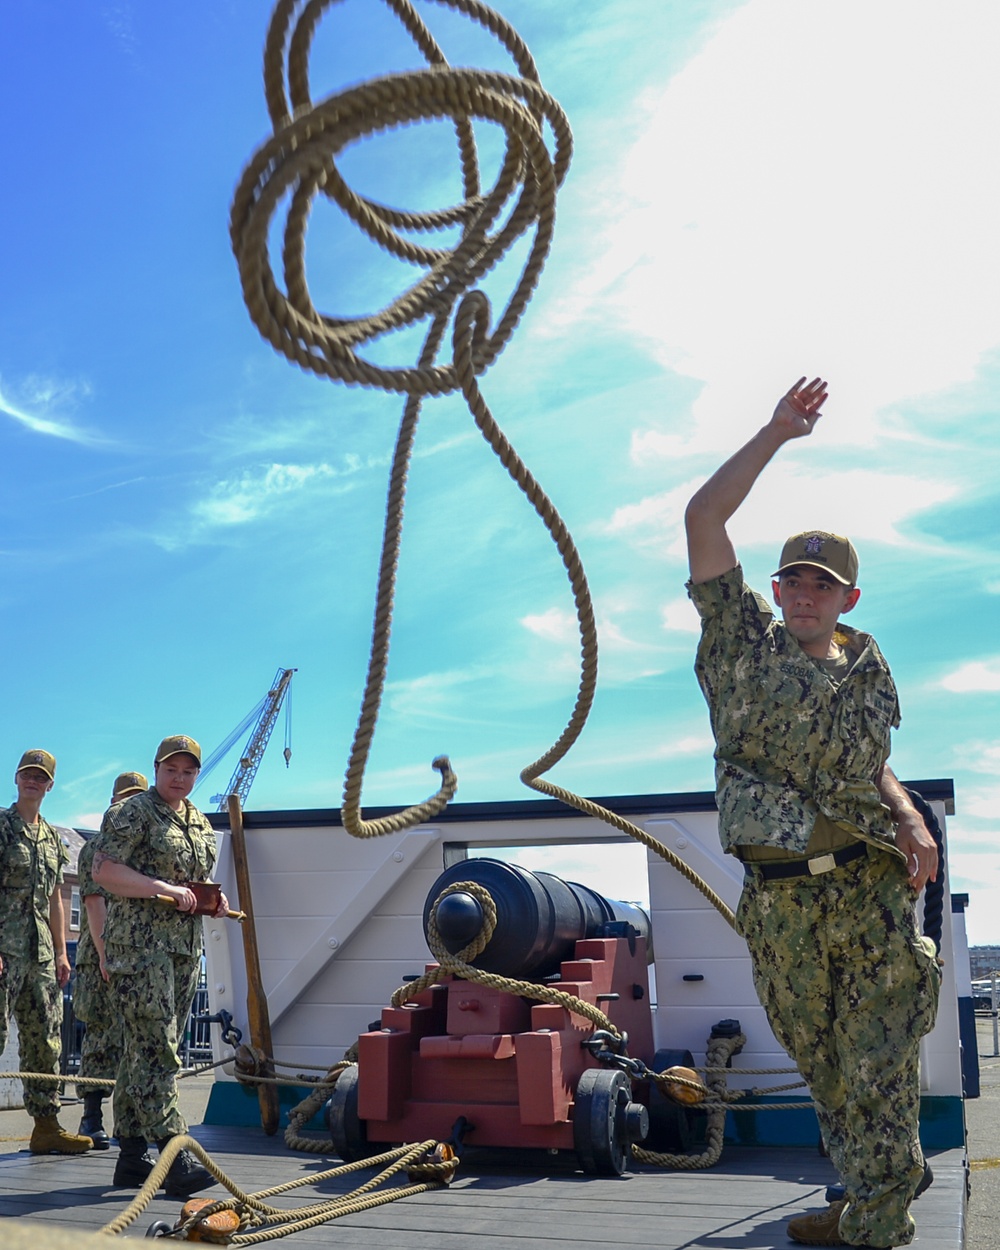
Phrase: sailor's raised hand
pixel 798 409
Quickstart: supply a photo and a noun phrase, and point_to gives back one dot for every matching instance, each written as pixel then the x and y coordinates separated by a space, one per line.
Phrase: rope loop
pixel 302 160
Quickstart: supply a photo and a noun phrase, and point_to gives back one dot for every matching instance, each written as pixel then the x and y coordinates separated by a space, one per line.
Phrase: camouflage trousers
pixel 154 990
pixel 95 1003
pixel 850 987
pixel 30 993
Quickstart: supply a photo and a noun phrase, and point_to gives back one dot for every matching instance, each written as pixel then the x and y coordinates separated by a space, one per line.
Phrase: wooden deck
pixel 743 1203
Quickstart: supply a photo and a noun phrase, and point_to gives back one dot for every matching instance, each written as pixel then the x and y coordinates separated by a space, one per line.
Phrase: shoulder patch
pixel 116 817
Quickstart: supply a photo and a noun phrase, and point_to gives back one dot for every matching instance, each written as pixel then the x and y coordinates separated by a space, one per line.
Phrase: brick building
pixel 73 840
pixel 983 960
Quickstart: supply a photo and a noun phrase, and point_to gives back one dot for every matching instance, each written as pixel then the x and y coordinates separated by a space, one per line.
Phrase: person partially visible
pixel 155 847
pixel 33 963
pixel 93 1002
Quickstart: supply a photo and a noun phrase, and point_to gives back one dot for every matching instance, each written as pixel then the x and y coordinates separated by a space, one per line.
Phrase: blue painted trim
pixel 238 1105
pixel 942 1125
pixel 942 1120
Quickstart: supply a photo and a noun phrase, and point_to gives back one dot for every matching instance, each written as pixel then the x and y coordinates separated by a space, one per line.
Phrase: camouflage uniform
pixel 848 983
pixel 93 999
pixel 31 868
pixel 153 956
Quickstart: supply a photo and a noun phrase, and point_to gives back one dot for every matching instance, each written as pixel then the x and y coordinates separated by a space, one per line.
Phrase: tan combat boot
pixel 819 1228
pixel 50 1138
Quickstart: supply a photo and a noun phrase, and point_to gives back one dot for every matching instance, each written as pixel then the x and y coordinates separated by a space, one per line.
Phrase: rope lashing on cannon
pixel 300 162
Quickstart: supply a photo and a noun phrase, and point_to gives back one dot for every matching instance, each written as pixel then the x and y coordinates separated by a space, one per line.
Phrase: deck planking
pixel 743 1203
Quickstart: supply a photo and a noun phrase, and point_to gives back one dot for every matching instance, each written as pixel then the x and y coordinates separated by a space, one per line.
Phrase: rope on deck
pixel 428 1165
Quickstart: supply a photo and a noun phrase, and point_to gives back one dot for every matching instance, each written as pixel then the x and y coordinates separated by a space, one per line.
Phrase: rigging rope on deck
pixel 300 161
pixel 428 1164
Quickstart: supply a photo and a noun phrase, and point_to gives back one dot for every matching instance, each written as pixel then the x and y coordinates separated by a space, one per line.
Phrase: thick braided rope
pixel 470 326
pixel 303 1112
pixel 253 1210
pixel 49 1078
pixel 718 1051
pixel 300 161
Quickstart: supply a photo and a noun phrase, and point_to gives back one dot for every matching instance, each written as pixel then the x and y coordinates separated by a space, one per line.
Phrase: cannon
pixel 477 1064
pixel 540 917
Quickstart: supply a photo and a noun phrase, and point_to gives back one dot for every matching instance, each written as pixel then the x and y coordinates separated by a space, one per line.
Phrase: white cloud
pixel 614 640
pixel 974 677
pixel 42 398
pixel 554 625
pixel 442 697
pixel 647 445
pixel 681 614
pixel 254 494
pixel 980 757
pixel 880 506
pixel 88 820
pixel 981 803
pixel 691 744
pixel 802 197
pixel 561 626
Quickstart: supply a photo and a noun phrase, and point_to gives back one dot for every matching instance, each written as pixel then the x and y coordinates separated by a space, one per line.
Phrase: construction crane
pixel 263 718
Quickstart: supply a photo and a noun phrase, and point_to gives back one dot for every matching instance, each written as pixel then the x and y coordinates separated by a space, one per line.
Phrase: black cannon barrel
pixel 539 917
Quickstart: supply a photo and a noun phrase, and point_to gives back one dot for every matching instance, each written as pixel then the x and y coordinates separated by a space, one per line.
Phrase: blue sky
pixel 758 190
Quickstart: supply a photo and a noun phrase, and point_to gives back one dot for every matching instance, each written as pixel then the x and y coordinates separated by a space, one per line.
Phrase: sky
pixel 759 190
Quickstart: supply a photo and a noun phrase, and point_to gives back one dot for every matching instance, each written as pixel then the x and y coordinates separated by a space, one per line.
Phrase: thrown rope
pixel 300 162
pixel 301 159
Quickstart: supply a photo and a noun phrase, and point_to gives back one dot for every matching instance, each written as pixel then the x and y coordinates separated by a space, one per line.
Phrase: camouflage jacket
pixel 86 951
pixel 31 869
pixel 790 743
pixel 146 833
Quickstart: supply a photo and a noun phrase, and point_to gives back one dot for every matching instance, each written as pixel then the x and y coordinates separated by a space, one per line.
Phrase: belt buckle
pixel 820 864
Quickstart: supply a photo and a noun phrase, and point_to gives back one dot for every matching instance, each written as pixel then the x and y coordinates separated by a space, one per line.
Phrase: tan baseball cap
pixel 178 744
pixel 831 552
pixel 128 783
pixel 38 759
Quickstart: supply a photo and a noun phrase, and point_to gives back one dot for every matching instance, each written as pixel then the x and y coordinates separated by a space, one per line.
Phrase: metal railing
pixel 986 1000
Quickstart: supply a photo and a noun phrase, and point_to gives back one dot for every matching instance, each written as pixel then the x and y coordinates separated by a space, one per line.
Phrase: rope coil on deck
pixel 425 1164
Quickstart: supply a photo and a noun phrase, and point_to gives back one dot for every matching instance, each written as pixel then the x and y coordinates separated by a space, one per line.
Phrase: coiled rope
pixel 300 161
pixel 259 1221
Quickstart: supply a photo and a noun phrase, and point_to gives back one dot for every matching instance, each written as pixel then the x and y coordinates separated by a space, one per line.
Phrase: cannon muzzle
pixel 540 917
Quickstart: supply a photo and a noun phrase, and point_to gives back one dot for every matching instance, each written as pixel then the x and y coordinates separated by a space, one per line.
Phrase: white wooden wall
pixel 339 926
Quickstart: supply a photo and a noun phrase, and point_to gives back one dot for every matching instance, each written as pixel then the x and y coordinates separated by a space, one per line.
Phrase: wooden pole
pixel 257 1013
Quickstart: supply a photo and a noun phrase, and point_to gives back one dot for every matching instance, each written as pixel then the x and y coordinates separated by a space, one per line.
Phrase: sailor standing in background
pixel 33 962
pixel 152 844
pixel 93 1001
